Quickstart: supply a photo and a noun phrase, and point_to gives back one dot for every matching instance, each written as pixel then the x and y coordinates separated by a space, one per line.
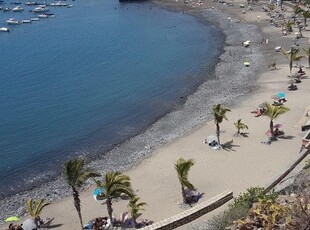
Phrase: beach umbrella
pixel 281 94
pixel 29 224
pixel 278 126
pixel 268 133
pixel 210 139
pixel 12 219
pixel 98 194
pixel 275 97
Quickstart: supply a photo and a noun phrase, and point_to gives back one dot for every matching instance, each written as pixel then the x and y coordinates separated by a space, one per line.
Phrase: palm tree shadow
pixel 53 226
pixel 286 137
pixel 228 146
pixel 241 134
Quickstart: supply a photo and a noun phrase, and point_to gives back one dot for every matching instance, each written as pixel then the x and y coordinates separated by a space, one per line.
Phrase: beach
pixel 248 162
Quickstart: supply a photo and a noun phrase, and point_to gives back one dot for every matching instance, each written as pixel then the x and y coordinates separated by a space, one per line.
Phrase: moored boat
pixel 32 3
pixel 40 9
pixel 59 3
pixel 4 29
pixel 6 9
pixel 12 21
pixel 42 16
pixel 34 19
pixel 17 9
pixel 26 21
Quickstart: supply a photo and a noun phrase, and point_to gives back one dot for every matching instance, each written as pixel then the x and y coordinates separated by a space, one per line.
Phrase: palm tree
pixel 288 26
pixel 292 56
pixel 307 51
pixel 135 208
pixel 273 64
pixel 305 14
pixel 239 125
pixel 114 185
pixel 35 207
pixel 297 10
pixel 219 114
pixel 182 167
pixel 273 112
pixel 76 175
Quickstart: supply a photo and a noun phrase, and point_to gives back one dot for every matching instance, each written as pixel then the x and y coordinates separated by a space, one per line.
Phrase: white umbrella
pixel 210 139
pixel 29 224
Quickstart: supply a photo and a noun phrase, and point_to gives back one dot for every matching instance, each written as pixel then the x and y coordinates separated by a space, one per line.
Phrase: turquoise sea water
pixel 91 77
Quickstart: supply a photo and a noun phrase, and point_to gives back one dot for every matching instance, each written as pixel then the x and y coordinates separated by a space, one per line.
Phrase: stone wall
pixel 192 213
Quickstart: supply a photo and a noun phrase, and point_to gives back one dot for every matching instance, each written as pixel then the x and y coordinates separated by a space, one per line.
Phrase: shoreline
pixel 59 188
pixel 198 129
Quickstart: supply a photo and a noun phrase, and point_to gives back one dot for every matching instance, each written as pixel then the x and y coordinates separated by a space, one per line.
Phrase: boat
pixel 12 21
pixel 17 9
pixel 4 29
pixel 32 3
pixel 34 19
pixel 69 6
pixel 59 3
pixel 6 9
pixel 40 9
pixel 42 16
pixel 26 21
pixel 16 3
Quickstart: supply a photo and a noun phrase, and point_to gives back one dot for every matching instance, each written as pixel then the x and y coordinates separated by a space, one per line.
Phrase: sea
pixel 90 78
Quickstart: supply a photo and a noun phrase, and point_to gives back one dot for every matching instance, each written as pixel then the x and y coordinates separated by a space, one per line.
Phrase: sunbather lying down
pixel 258 112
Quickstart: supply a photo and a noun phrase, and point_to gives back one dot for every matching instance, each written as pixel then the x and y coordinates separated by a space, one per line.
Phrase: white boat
pixel 17 9
pixel 40 9
pixel 69 6
pixel 31 3
pixel 42 16
pixel 4 29
pixel 26 21
pixel 34 19
pixel 59 3
pixel 12 21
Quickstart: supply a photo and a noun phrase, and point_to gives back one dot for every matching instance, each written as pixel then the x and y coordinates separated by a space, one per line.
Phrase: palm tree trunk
pixel 309 60
pixel 218 133
pixel 271 130
pixel 77 204
pixel 110 210
pixel 291 65
pixel 183 194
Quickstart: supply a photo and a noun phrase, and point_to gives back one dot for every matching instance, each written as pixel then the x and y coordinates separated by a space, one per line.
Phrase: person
pixel 292 87
pixel 300 71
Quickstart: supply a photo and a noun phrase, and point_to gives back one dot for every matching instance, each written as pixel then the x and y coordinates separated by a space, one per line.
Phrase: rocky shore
pixel 228 83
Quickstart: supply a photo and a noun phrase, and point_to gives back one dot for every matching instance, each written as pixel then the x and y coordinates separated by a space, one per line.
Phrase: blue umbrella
pixel 98 194
pixel 281 94
pixel 98 191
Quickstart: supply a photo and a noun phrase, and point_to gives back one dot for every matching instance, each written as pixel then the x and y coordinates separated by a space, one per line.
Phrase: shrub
pixel 266 215
pixel 252 195
pixel 226 218
pixel 307 165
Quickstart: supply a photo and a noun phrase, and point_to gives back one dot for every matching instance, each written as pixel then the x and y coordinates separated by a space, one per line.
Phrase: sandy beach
pixel 248 162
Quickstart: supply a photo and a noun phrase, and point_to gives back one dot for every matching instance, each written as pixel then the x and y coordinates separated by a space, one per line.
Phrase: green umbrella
pixel 12 218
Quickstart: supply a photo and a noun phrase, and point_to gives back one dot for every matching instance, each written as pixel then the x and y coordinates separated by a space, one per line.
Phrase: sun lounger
pixel 277 103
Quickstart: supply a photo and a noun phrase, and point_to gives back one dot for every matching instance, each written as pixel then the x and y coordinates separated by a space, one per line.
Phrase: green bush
pixel 307 165
pixel 226 218
pixel 252 195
